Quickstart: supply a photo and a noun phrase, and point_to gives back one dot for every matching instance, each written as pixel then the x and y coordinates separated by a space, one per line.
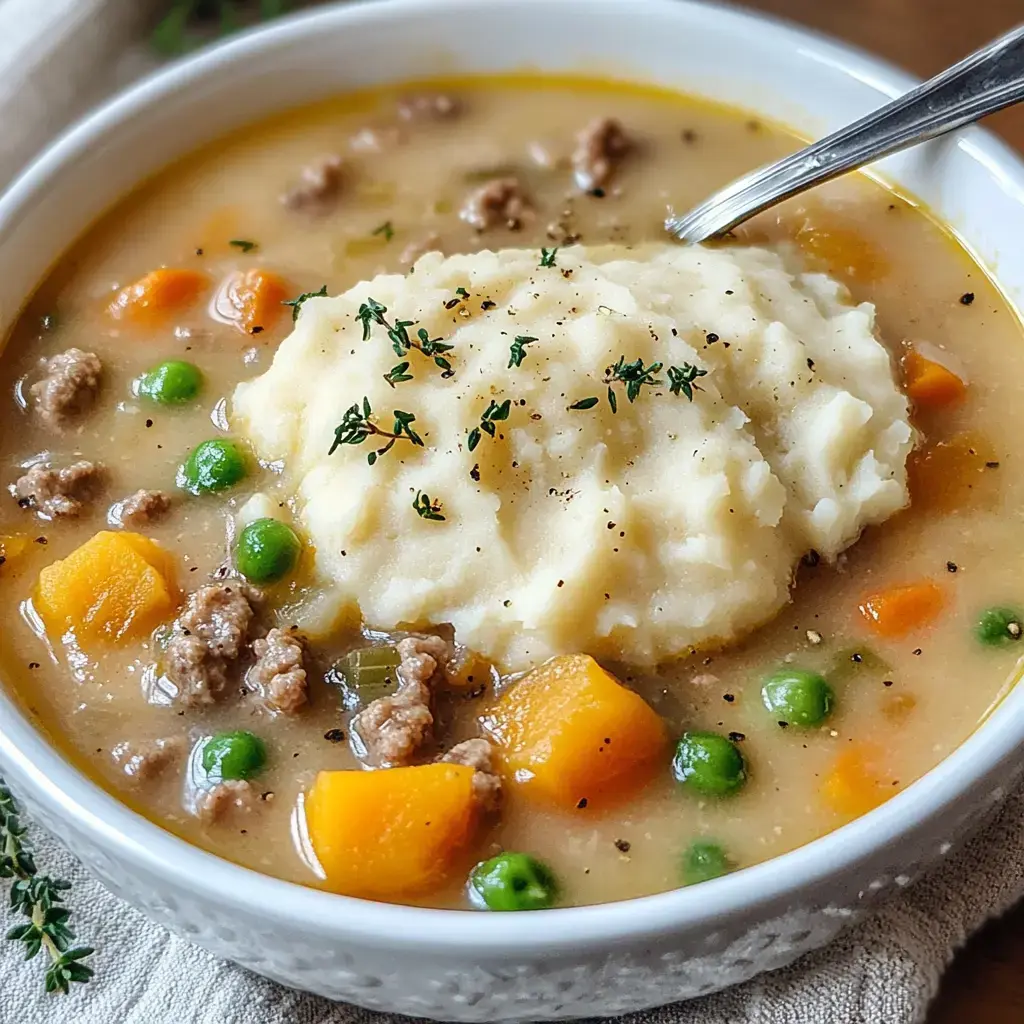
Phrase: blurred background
pixel 59 57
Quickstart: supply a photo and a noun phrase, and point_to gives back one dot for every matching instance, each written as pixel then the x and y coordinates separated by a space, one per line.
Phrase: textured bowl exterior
pixel 555 964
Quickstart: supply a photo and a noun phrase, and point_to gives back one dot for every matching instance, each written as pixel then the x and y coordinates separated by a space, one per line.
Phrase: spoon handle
pixel 986 81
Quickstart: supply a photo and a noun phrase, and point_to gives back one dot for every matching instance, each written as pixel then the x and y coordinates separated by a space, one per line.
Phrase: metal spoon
pixel 988 80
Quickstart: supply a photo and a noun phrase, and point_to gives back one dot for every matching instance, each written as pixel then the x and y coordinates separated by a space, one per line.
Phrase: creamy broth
pixel 904 712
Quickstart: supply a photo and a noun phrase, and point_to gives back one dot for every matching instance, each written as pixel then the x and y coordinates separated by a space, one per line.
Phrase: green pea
pixel 702 861
pixel 709 764
pixel 513 881
pixel 172 382
pixel 212 466
pixel 233 755
pixel 267 549
pixel 798 697
pixel 997 626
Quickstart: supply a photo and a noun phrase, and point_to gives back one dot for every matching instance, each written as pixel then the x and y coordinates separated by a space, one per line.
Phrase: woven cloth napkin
pixel 58 56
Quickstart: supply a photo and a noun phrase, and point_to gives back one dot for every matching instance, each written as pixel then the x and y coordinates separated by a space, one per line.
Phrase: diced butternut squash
pixel 571 735
pixel 468 671
pixel 116 586
pixel 857 783
pixel 901 610
pixel 12 547
pixel 962 472
pixel 252 300
pixel 394 833
pixel 839 249
pixel 929 384
pixel 156 297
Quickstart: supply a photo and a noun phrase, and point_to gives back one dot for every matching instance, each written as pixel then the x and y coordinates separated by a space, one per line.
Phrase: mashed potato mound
pixel 637 535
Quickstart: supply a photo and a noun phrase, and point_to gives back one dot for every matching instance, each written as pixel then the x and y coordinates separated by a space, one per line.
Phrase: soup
pixel 225 636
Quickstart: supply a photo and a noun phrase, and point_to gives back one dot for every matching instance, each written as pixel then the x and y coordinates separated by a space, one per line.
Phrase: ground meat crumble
pixel 414 250
pixel 60 493
pixel 146 761
pixel 141 508
pixel 321 182
pixel 232 795
pixel 479 754
pixel 209 637
pixel 279 673
pixel 501 201
pixel 600 147
pixel 68 387
pixel 392 729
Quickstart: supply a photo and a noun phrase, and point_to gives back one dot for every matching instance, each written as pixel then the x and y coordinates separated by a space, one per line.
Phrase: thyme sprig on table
pixel 494 413
pixel 190 23
pixel 372 312
pixel 38 898
pixel 357 427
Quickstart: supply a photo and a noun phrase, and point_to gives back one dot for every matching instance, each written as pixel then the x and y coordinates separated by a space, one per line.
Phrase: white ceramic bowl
pixel 558 963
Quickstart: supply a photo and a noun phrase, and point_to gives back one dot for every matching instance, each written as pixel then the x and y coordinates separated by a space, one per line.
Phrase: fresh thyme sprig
pixel 547 257
pixel 494 413
pixel 681 379
pixel 517 350
pixel 634 375
pixel 296 304
pixel 189 23
pixel 356 427
pixel 38 898
pixel 372 312
pixel 427 508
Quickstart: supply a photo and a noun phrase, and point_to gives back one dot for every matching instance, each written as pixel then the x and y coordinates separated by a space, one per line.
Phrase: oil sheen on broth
pixel 910 677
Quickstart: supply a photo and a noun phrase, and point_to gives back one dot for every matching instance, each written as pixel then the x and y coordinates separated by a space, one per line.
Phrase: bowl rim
pixel 67 793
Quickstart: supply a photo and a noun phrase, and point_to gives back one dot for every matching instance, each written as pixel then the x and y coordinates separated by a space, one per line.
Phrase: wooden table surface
pixel 985 984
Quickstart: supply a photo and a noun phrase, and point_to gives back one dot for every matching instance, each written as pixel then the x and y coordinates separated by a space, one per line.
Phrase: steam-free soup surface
pixel 911 674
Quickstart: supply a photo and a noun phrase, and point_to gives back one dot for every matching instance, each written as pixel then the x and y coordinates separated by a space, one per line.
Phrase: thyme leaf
pixel 386 229
pixel 494 413
pixel 681 379
pixel 547 257
pixel 296 304
pixel 517 350
pixel 427 508
pixel 356 427
pixel 397 374
pixel 38 898
pixel 634 375
pixel 244 244
pixel 585 403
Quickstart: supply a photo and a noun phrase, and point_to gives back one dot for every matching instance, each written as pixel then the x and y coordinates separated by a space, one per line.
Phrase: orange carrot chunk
pixel 855 784
pixel 155 297
pixel 901 610
pixel 251 300
pixel 930 385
